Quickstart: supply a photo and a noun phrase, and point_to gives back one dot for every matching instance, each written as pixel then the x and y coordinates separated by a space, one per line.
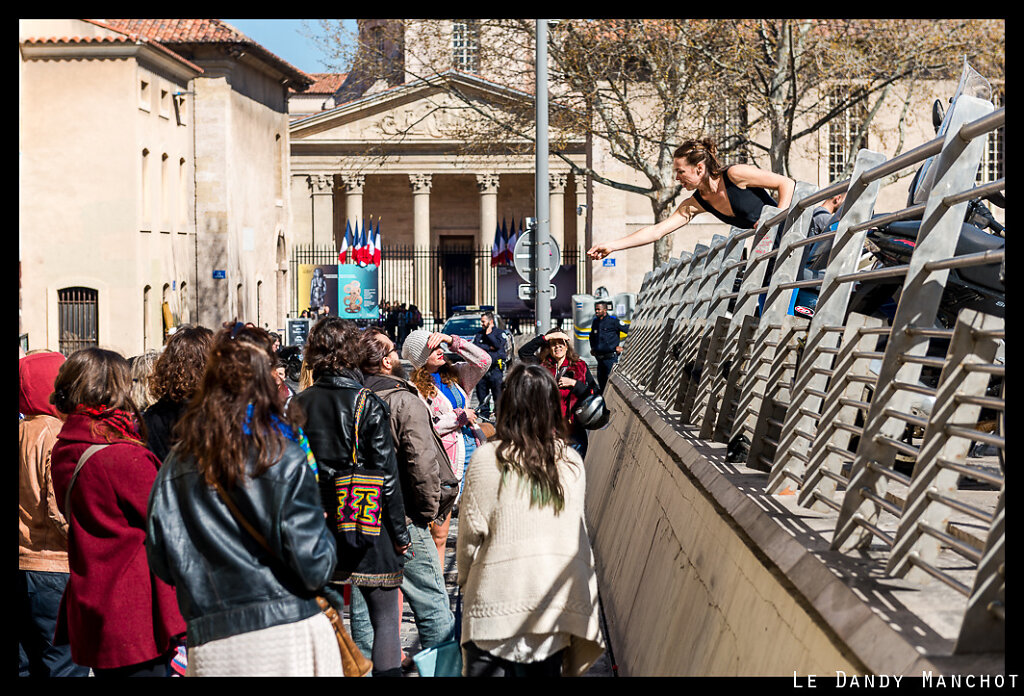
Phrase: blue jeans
pixel 423 587
pixel 39 598
pixel 470 441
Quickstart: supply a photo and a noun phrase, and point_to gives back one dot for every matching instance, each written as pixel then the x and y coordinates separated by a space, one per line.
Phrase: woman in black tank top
pixel 735 195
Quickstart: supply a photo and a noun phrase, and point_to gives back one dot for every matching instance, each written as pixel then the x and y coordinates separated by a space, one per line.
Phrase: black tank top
pixel 746 203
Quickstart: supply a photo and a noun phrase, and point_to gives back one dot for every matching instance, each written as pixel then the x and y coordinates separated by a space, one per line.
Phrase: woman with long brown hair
pixel 350 433
pixel 119 619
pixel 251 611
pixel 734 194
pixel 174 380
pixel 524 557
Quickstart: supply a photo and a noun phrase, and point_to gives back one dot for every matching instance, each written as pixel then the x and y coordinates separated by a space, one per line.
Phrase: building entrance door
pixel 457 272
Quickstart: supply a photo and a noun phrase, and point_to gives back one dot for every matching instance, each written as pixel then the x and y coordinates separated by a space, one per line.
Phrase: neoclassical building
pixel 392 155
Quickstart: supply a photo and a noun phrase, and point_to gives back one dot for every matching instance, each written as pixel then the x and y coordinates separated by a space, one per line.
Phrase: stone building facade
pixel 153 180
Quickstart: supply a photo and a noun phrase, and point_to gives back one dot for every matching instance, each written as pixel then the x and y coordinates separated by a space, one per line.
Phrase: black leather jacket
pixel 225 581
pixel 329 406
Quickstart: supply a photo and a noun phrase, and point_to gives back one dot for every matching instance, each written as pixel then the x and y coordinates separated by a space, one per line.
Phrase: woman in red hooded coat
pixel 119 618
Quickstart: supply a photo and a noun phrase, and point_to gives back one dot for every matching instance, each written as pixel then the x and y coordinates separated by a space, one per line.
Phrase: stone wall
pixel 701 574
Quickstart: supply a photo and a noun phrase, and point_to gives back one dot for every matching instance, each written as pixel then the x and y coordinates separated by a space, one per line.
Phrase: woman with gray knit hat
pixel 445 387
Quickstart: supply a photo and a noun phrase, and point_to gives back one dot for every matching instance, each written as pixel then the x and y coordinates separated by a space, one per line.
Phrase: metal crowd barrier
pixel 826 411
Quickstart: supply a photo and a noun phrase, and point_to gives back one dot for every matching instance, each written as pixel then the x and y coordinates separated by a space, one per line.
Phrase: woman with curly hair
pixel 174 380
pixel 119 618
pixel 523 552
pixel 445 387
pixel 238 473
pixel 142 370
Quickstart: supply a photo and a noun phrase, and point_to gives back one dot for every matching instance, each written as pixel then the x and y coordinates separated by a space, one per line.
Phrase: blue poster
pixel 357 291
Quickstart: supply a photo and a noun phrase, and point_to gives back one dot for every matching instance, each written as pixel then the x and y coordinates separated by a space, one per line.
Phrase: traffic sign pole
pixel 542 270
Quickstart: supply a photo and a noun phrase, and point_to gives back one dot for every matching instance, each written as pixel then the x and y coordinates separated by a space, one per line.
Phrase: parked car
pixel 465 323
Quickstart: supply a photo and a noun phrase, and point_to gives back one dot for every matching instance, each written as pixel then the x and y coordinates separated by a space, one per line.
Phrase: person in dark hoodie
pixel 42 529
pixel 120 619
pixel 175 378
pixel 429 489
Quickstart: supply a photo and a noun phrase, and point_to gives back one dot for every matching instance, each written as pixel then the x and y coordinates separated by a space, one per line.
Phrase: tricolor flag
pixel 346 243
pixel 511 243
pixel 358 245
pixel 371 246
pixel 497 249
pixel 377 245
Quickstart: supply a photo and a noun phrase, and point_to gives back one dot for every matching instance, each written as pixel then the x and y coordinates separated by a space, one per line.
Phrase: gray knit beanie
pixel 414 349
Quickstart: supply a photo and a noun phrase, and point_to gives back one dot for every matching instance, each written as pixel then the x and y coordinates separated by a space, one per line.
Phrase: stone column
pixel 321 187
pixel 421 184
pixel 353 185
pixel 487 184
pixel 556 206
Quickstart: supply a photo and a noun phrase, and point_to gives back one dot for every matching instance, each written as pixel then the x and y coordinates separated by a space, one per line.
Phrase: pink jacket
pixel 447 419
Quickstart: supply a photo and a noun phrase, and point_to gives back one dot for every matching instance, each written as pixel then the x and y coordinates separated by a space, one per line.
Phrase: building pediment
pixel 424 113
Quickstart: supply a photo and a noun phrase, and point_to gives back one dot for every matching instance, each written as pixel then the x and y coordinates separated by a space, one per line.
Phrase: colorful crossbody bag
pixel 358 493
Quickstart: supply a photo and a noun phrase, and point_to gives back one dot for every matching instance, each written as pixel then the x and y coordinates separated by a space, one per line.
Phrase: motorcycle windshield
pixel 971 84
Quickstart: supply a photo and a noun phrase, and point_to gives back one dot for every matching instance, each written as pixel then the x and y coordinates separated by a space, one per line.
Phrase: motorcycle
pixel 973 287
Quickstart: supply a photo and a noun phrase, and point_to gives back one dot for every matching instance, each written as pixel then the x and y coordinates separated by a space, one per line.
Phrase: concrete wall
pixel 698 577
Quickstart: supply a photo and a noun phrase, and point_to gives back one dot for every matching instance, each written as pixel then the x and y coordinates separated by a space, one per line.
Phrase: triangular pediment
pixel 419 113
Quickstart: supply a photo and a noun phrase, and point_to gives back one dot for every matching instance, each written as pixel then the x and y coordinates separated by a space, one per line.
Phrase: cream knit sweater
pixel 525 570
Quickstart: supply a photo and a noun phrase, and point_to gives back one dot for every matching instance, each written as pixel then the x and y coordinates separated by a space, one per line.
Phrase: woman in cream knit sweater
pixel 523 553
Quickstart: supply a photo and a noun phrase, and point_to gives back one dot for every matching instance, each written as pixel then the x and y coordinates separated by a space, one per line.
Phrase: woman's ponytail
pixel 695 151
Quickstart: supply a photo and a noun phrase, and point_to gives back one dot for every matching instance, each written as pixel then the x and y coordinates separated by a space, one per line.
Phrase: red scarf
pixel 120 421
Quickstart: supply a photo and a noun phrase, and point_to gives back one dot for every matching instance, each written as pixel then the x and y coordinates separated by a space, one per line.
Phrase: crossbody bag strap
pixel 360 405
pixel 91 450
pixel 241 518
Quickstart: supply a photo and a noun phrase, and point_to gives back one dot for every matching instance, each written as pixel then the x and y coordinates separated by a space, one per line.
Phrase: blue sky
pixel 283 38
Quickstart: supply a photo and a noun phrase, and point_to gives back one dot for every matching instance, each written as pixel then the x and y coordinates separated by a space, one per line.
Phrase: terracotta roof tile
pixel 125 38
pixel 208 31
pixel 325 83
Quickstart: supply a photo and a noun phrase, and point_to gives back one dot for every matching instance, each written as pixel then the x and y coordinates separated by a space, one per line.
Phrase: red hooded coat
pixel 115 612
pixel 42 531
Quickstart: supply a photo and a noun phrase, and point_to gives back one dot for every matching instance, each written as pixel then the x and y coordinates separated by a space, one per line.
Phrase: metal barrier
pixel 830 406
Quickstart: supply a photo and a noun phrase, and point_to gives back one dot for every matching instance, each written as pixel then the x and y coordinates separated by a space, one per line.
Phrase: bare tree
pixel 642 85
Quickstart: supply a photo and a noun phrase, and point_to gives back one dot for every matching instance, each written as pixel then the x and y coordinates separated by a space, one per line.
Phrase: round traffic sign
pixel 522 256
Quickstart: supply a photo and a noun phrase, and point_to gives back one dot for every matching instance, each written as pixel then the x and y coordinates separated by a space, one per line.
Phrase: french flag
pixel 377 245
pixel 346 243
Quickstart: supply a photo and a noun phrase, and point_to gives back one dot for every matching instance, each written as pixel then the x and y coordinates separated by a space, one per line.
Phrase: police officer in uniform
pixel 489 338
pixel 604 340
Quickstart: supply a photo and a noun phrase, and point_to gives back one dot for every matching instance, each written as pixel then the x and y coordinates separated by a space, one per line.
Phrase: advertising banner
pixel 318 287
pixel 357 291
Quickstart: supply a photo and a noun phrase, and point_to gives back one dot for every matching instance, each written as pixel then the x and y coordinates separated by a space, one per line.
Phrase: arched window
pixel 145 318
pixel 146 194
pixel 77 319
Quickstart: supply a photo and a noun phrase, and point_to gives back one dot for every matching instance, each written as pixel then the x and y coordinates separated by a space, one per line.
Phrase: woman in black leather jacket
pixel 329 407
pixel 249 611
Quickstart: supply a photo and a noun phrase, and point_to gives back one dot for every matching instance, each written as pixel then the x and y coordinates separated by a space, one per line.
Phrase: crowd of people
pixel 181 512
pixel 187 511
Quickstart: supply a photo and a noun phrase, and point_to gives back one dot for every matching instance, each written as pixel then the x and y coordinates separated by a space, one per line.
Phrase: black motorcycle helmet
pixel 591 412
